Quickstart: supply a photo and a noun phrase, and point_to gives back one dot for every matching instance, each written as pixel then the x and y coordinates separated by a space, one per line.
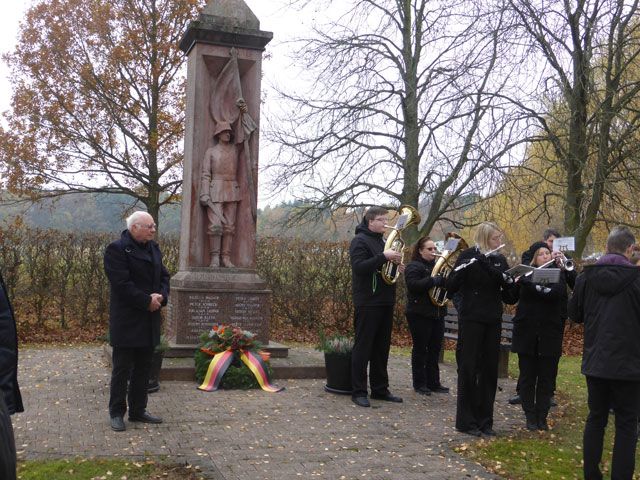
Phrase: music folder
pixel 519 270
pixel 546 275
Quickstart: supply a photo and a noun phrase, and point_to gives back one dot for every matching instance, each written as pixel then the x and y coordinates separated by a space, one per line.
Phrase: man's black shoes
pixel 423 391
pixel 472 431
pixel 117 424
pixel 145 417
pixel 489 432
pixel 387 397
pixel 440 389
pixel 515 400
pixel 361 401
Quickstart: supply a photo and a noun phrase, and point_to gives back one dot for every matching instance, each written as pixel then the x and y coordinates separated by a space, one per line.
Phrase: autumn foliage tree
pixel 98 99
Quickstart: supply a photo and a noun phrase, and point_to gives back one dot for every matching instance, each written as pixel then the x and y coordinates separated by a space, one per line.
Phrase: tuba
pixel 389 271
pixel 454 244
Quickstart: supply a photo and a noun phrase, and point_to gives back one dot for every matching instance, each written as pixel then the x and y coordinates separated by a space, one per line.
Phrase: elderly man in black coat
pixel 139 289
pixel 606 298
pixel 10 399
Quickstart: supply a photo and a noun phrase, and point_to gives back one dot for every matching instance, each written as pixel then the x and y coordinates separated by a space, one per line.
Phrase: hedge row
pixel 57 283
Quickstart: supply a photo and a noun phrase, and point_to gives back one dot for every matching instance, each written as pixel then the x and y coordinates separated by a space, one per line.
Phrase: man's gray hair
pixel 134 218
pixel 619 239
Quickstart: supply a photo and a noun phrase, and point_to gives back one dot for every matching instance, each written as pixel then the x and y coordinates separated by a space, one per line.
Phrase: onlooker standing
pixel 10 398
pixel 373 301
pixel 139 288
pixel 607 299
pixel 426 320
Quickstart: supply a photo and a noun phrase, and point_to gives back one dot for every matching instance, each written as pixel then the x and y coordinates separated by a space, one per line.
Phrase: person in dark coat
pixel 426 320
pixel 606 299
pixel 373 301
pixel 139 289
pixel 538 328
pixel 10 398
pixel 480 278
pixel 569 278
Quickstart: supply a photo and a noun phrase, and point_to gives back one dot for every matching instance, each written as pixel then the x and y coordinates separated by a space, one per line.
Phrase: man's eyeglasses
pixel 149 226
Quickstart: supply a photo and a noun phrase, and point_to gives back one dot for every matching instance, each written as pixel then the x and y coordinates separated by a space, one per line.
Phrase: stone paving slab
pixel 302 432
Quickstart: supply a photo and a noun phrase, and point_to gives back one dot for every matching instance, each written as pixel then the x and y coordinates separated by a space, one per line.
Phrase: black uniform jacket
pixel 418 279
pixel 135 271
pixel 482 286
pixel 539 319
pixel 9 354
pixel 365 251
pixel 607 299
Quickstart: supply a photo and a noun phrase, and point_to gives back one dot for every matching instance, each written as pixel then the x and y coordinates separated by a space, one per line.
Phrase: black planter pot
pixel 338 366
pixel 154 373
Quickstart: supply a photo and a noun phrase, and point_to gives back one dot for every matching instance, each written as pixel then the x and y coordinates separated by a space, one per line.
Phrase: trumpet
pixel 565 263
pixel 474 260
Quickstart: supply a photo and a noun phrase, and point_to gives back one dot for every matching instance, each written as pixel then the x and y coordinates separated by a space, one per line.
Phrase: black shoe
pixel 542 424
pixel 440 389
pixel 117 424
pixel 153 387
pixel 387 397
pixel 515 400
pixel 144 417
pixel 489 432
pixel 423 391
pixel 472 431
pixel 361 401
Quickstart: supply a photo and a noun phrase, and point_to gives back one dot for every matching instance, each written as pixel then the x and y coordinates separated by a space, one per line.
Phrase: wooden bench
pixel 451 333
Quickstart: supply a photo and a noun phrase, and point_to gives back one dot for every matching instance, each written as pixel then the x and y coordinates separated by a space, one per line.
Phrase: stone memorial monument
pixel 216 280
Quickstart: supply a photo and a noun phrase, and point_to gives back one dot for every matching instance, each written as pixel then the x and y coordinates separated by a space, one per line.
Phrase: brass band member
pixel 538 327
pixel 426 320
pixel 483 285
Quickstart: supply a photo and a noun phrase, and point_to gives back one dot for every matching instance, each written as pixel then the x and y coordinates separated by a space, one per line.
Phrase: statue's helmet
pixel 222 127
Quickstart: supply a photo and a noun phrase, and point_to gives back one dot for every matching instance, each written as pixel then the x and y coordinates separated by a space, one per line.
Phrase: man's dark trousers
pixel 132 366
pixel 7 444
pixel 372 326
pixel 624 397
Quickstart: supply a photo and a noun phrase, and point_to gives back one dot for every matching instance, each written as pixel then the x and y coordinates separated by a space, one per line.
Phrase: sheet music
pixel 402 221
pixel 546 275
pixel 564 244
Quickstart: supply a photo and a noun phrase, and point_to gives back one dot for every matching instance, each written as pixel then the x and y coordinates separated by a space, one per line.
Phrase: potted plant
pixel 337 361
pixel 156 365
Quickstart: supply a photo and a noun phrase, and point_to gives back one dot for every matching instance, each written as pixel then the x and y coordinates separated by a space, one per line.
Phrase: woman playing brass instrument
pixel 483 286
pixel 538 327
pixel 426 320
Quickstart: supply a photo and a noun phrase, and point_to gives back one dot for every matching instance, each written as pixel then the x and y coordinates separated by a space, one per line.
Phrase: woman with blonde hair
pixel 483 286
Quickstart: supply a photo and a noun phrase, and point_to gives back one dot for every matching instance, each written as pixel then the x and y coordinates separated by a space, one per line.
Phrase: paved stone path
pixel 302 432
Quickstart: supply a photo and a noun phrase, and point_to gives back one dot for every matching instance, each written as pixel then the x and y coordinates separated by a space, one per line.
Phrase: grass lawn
pixel 556 454
pixel 85 469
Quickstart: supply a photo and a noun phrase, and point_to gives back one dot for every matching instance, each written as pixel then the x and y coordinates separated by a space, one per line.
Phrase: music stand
pixel 519 270
pixel 544 276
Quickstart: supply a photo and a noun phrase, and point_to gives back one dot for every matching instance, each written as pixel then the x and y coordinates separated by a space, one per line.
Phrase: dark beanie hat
pixel 527 255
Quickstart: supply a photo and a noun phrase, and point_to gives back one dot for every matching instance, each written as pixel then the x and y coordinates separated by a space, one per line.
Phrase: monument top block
pixel 226 22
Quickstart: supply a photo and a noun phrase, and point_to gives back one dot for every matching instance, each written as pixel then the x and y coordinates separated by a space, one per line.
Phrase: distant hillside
pixel 102 212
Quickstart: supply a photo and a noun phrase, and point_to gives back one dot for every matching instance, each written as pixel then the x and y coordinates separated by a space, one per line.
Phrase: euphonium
pixel 454 244
pixel 390 271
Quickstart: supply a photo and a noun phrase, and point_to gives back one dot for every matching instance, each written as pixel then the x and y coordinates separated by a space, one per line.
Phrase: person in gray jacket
pixel 607 300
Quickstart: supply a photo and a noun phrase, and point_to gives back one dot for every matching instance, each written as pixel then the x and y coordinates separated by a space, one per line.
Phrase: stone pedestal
pixel 201 295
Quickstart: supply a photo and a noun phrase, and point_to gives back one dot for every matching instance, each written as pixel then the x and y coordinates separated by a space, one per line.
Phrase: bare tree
pixel 98 100
pixel 404 107
pixel 586 100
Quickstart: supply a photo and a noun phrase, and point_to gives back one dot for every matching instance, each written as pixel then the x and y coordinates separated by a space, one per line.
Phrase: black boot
pixel 542 421
pixel 532 421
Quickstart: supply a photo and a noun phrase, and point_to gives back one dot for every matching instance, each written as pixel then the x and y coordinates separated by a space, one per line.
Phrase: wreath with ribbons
pixel 224 343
